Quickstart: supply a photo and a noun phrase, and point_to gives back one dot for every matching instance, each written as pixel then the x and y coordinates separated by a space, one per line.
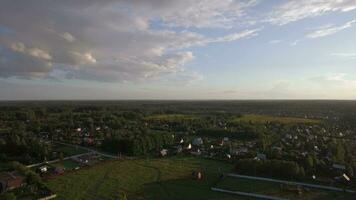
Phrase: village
pixel 285 148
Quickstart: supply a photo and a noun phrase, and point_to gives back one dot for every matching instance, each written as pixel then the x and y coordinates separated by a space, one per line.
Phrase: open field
pixel 274 189
pixel 283 120
pixel 142 179
pixel 68 150
pixel 171 117
pixel 66 164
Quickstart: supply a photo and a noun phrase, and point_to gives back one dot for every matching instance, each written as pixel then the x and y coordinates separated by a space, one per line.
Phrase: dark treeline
pixel 139 145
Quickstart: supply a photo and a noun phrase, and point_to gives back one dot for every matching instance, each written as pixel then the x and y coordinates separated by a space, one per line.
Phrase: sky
pixel 169 49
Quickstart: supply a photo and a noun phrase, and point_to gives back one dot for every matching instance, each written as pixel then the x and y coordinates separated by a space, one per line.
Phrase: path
pixel 293 183
pixel 261 196
pixel 57 160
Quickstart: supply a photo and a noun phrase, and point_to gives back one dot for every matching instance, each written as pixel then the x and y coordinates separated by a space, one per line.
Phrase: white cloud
pixel 197 13
pixel 69 37
pixel 295 42
pixel 329 30
pixel 335 80
pixel 35 52
pixel 295 10
pixel 236 36
pixel 344 55
pixel 110 40
pixel 275 41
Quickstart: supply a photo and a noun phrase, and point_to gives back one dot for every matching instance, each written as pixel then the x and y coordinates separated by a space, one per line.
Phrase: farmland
pixel 283 120
pixel 142 179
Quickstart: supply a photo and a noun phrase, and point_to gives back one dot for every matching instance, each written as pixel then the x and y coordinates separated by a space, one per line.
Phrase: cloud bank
pixel 109 40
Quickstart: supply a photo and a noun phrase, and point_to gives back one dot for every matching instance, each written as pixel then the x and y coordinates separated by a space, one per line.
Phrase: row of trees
pixel 142 144
pixel 24 148
pixel 272 168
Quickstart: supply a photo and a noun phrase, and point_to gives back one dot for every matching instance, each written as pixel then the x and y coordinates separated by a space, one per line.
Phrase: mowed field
pixel 274 189
pixel 143 179
pixel 283 120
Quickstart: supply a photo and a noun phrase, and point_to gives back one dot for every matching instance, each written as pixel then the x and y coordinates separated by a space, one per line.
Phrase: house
pixel 164 152
pixel 339 167
pixel 10 181
pixel 178 149
pixel 58 170
pixel 196 153
pixel 189 147
pixel 43 169
pixel 261 156
pixel 198 175
pixel 197 141
pixel 342 179
pixel 239 151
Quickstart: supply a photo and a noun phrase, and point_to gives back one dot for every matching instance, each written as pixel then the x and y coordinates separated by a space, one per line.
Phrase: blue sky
pixel 198 49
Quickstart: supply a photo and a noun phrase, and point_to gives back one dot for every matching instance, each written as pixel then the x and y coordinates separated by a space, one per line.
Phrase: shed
pixel 198 141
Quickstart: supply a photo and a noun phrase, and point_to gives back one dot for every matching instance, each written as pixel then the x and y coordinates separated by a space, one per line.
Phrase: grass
pixel 273 189
pixel 283 120
pixel 142 179
pixel 67 164
pixel 69 151
pixel 171 117
pixel 4 166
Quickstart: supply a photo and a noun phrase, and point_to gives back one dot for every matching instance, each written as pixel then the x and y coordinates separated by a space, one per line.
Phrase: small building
pixel 196 153
pixel 197 175
pixel 197 141
pixel 10 181
pixel 43 169
pixel 261 156
pixel 189 146
pixel 339 167
pixel 177 149
pixel 58 170
pixel 164 152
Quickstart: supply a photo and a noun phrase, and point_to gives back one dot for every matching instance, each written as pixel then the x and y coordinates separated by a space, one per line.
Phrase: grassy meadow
pixel 283 120
pixel 142 179
pixel 274 189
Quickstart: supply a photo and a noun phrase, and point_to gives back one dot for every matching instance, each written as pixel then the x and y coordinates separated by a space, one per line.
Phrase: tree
pixel 61 157
pixel 301 171
pixel 32 178
pixel 309 164
pixel 9 196
pixel 349 171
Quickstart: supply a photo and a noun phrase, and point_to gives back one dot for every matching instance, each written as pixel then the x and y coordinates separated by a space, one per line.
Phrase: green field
pixel 142 179
pixel 171 117
pixel 69 151
pixel 67 164
pixel 273 189
pixel 283 120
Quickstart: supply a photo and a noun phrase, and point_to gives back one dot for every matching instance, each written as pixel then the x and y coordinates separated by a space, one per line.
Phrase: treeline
pixel 138 145
pixel 272 168
pixel 219 133
pixel 24 148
